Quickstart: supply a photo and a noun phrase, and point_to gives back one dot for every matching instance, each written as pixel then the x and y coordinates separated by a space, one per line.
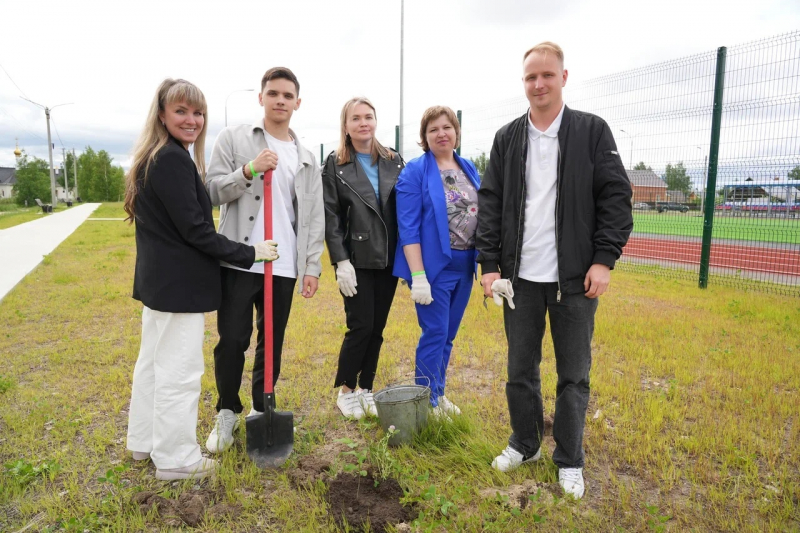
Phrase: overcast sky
pixel 108 57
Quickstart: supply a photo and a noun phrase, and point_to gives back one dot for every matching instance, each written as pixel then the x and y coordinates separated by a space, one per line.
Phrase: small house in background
pixel 8 178
pixel 647 186
pixel 680 197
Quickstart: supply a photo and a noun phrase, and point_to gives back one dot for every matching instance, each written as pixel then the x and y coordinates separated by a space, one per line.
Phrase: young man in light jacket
pixel 240 157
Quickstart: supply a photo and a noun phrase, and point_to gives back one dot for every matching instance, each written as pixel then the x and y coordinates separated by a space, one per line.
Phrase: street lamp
pixel 226 101
pixel 630 136
pixel 47 110
pixel 400 132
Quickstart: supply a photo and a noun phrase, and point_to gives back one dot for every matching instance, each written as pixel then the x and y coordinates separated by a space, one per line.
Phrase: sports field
pixel 757 229
pixel 693 423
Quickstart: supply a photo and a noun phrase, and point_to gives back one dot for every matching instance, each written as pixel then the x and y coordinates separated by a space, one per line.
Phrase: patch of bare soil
pixel 481 382
pixel 188 509
pixel 310 468
pixel 520 495
pixel 356 500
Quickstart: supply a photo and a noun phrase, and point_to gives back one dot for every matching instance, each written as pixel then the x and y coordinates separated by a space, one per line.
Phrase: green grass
pixel 24 214
pixel 693 423
pixel 776 230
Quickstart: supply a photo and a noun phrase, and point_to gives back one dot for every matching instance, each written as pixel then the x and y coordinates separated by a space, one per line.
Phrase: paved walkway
pixel 24 246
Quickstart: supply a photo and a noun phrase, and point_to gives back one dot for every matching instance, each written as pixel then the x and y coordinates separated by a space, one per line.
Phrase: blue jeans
pixel 440 320
pixel 571 327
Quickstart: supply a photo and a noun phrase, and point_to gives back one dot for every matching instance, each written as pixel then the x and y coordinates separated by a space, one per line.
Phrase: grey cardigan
pixel 228 188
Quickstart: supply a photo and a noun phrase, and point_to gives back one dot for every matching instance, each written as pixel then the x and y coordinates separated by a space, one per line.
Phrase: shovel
pixel 270 435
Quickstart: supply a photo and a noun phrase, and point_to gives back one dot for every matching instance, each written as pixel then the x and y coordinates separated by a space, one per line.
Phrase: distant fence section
pixel 716 196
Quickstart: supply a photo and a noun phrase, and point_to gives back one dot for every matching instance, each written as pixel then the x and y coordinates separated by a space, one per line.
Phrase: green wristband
pixel 420 273
pixel 252 170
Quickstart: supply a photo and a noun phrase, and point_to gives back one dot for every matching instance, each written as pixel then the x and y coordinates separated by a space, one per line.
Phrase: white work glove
pixel 346 278
pixel 501 288
pixel 421 290
pixel 266 251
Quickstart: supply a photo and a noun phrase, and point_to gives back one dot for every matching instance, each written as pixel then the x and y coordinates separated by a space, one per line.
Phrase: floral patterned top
pixel 462 208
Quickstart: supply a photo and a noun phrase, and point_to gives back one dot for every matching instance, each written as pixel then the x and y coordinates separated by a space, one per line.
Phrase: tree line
pixel 98 179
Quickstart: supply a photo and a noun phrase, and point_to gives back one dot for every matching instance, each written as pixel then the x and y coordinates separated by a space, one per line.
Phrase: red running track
pixel 735 256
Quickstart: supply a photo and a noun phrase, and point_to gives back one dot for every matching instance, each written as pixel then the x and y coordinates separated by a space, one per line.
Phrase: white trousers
pixel 166 388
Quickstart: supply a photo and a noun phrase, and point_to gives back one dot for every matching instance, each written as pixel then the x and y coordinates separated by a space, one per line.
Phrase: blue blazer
pixel 422 214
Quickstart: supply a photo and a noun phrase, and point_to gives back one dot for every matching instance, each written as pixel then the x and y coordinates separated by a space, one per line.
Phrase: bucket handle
pixel 414 380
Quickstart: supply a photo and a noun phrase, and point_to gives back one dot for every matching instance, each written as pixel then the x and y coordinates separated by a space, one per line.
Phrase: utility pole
pixel 54 200
pixel 47 110
pixel 402 13
pixel 66 174
pixel 226 101
pixel 75 172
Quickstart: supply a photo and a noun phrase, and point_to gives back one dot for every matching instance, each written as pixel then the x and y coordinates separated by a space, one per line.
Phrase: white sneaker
pixel 200 469
pixel 367 402
pixel 349 404
pixel 440 414
pixel 571 480
pixel 449 407
pixel 510 459
pixel 253 412
pixel 221 437
pixel 140 456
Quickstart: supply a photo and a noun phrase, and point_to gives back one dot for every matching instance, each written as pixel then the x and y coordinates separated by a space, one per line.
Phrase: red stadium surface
pixel 773 260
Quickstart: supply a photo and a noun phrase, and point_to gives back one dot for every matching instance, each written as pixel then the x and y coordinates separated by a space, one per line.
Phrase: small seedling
pixel 656 521
pixel 23 472
pixel 360 455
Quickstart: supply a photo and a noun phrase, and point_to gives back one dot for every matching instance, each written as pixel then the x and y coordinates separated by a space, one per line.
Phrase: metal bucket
pixel 404 406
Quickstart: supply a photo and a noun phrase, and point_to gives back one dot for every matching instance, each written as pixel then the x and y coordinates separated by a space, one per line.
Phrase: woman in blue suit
pixel 437 208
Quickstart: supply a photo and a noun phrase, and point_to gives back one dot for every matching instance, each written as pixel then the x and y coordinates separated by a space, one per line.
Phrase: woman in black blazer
pixel 177 279
pixel 361 232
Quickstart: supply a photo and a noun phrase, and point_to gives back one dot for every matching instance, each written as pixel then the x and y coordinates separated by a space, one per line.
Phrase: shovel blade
pixel 270 437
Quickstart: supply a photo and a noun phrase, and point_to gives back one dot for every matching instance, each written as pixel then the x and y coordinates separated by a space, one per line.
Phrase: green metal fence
pixel 711 143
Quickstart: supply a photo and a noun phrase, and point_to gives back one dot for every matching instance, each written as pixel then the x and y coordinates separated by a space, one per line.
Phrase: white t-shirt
pixel 283 217
pixel 538 259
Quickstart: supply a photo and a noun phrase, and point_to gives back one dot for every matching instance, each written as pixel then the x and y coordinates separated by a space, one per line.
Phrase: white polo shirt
pixel 538 258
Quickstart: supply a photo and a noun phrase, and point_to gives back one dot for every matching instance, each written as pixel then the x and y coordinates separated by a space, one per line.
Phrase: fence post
pixel 321 154
pixel 713 158
pixel 397 139
pixel 458 114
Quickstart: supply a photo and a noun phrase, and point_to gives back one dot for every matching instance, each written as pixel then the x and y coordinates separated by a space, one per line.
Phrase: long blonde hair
pixel 346 144
pixel 155 136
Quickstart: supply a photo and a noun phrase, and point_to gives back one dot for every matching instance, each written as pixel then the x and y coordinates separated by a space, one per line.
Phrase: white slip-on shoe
pixel 440 414
pixel 571 480
pixel 509 459
pixel 367 402
pixel 449 407
pixel 221 437
pixel 140 456
pixel 198 470
pixel 349 404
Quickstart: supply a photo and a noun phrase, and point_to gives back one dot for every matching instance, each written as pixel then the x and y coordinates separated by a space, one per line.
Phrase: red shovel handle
pixel 268 333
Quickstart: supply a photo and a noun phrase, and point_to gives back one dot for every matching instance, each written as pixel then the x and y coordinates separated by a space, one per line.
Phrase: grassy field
pixel 777 230
pixel 694 421
pixel 24 214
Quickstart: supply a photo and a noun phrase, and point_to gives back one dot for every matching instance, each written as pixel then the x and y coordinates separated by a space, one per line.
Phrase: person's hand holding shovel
pixel 266 252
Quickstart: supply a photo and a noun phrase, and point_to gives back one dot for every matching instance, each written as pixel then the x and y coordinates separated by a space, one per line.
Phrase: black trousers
pixel 240 292
pixel 571 327
pixel 366 314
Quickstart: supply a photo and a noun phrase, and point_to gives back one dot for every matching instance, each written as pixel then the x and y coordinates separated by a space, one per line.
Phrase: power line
pixel 12 81
pixel 20 124
pixel 56 128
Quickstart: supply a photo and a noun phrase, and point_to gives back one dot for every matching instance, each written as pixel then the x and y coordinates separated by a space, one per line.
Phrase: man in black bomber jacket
pixel 554 214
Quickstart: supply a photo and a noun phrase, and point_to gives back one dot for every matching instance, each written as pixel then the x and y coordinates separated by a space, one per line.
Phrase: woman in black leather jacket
pixel 361 233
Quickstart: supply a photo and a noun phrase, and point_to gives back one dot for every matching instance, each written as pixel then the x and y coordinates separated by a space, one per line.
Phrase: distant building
pixel 647 186
pixel 680 197
pixel 8 178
